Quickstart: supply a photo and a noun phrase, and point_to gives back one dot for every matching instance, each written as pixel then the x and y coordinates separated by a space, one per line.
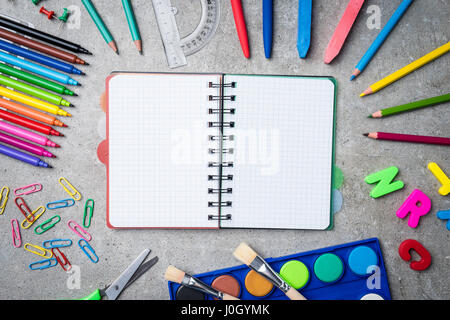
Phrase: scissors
pixel 131 274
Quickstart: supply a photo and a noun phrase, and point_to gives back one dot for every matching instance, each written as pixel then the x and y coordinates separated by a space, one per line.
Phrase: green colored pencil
pixel 33 91
pixel 132 24
pixel 411 106
pixel 37 81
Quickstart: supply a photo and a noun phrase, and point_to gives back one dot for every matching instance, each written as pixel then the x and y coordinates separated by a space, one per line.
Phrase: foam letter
pixel 385 184
pixel 442 178
pixel 417 204
pixel 425 257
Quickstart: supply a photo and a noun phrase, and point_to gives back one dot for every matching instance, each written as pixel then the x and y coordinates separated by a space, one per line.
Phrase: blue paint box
pixel 324 280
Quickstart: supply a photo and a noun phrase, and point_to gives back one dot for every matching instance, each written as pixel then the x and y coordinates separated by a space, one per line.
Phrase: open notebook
pixel 219 151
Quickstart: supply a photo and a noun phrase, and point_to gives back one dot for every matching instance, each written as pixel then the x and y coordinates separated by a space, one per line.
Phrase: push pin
pixel 36 2
pixel 49 14
pixel 65 15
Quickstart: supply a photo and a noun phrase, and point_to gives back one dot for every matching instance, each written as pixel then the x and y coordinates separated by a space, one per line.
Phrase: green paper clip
pixel 47 225
pixel 88 209
pixel 385 184
pixel 65 15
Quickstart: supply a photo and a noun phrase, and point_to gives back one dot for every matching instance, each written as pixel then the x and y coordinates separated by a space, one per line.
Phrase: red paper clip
pixel 17 239
pixel 23 207
pixel 62 259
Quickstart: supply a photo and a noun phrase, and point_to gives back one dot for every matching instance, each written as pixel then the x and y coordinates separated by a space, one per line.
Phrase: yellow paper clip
pixel 3 202
pixel 441 177
pixel 72 191
pixel 36 215
pixel 39 250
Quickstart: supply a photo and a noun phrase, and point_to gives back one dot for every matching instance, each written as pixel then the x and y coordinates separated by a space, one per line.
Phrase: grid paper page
pixel 158 151
pixel 282 152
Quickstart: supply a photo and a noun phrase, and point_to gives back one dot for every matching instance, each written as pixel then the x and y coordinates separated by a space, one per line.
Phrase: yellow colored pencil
pixel 407 70
pixel 32 102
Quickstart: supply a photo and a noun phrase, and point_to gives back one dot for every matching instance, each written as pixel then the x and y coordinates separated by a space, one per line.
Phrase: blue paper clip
pixel 43 264
pixel 86 245
pixel 60 204
pixel 56 243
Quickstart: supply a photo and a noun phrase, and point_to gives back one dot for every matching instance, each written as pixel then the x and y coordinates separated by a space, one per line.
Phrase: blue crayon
pixel 304 27
pixel 35 68
pixel 15 154
pixel 382 36
pixel 39 58
pixel 267 27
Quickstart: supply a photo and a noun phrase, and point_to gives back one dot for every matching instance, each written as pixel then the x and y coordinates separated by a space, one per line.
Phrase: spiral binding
pixel 221 178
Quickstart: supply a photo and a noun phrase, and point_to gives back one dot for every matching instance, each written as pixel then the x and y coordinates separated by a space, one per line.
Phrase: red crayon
pixel 30 124
pixel 241 28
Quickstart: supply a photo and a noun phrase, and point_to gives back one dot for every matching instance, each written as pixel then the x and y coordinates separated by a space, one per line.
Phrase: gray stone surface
pixel 423 28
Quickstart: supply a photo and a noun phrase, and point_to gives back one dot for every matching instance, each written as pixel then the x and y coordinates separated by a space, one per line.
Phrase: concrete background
pixel 422 29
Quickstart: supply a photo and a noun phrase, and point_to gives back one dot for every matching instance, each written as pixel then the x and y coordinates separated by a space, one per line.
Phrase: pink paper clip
pixel 17 239
pixel 23 207
pixel 62 259
pixel 32 188
pixel 75 227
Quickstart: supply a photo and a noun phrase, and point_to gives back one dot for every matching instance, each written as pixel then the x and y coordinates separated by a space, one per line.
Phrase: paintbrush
pixel 246 254
pixel 175 275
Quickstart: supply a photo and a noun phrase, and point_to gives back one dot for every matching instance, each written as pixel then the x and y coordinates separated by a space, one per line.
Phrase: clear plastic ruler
pixel 176 48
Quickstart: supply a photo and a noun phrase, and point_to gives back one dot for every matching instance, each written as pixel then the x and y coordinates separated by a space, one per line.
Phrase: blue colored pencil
pixel 267 27
pixel 382 36
pixel 39 58
pixel 40 70
pixel 304 27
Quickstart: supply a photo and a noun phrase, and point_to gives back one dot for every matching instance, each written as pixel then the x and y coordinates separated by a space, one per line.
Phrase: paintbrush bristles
pixel 173 274
pixel 245 254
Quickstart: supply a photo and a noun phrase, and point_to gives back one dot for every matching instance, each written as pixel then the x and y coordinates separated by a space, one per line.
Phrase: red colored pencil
pixel 408 138
pixel 27 123
pixel 241 28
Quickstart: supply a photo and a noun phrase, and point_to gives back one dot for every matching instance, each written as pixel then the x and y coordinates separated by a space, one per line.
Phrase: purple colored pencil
pixel 18 155
pixel 25 146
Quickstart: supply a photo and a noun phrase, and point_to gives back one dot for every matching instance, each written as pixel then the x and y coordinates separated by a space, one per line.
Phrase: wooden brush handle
pixel 294 294
pixel 228 297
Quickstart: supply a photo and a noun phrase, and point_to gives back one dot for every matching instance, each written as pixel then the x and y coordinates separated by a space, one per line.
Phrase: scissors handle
pixel 96 295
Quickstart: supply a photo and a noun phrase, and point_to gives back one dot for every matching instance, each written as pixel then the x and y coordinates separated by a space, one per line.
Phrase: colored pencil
pixel 241 28
pixel 132 25
pixel 40 35
pixel 30 113
pixel 35 92
pixel 41 47
pixel 25 146
pixel 408 138
pixel 343 29
pixel 304 27
pixel 18 155
pixel 382 36
pixel 100 24
pixel 36 68
pixel 26 134
pixel 39 58
pixel 268 27
pixel 407 69
pixel 411 106
pixel 33 79
pixel 27 123
pixel 33 102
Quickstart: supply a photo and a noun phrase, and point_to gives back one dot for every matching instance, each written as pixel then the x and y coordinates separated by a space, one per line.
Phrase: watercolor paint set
pixel 351 271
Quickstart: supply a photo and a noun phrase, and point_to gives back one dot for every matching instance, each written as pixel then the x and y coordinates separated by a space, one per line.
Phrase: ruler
pixel 176 48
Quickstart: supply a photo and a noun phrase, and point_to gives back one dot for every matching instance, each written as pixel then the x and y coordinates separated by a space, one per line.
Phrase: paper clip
pixel 60 204
pixel 75 227
pixel 17 240
pixel 73 192
pixel 35 215
pixel 56 243
pixel 93 257
pixel 3 202
pixel 40 251
pixel 32 188
pixel 41 266
pixel 50 223
pixel 62 259
pixel 88 209
pixel 23 207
